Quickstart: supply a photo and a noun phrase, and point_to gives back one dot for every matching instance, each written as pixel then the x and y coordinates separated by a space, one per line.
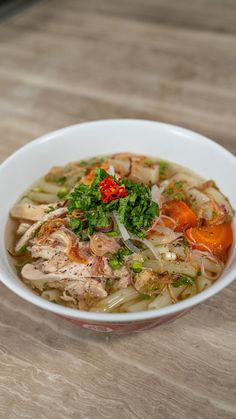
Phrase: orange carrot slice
pixel 180 213
pixel 217 238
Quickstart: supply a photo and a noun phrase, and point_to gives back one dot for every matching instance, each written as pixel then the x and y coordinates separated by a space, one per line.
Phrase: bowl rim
pixel 97 317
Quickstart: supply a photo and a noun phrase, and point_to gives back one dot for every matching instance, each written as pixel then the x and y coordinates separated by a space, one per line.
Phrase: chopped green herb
pixel 136 266
pixel 23 249
pixel 75 224
pixel 136 211
pixel 122 252
pixel 117 260
pixel 163 166
pixel 183 280
pixel 114 263
pixel 54 301
pixel 113 233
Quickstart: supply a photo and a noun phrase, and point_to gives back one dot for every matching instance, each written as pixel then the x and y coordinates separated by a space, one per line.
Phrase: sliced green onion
pixel 114 263
pixel 136 266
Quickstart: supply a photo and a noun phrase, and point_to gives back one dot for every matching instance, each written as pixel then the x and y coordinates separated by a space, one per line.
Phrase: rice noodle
pixel 150 246
pixel 48 187
pixel 116 299
pixel 173 267
pixel 221 200
pixel 139 306
pixel 207 262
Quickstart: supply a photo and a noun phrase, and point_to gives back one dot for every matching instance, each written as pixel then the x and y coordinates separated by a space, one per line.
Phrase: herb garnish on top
pixel 135 208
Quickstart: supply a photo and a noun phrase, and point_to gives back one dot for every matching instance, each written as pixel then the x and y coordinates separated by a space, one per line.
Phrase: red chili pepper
pixel 110 190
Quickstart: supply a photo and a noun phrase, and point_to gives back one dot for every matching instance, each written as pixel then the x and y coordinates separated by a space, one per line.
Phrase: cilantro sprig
pixel 136 211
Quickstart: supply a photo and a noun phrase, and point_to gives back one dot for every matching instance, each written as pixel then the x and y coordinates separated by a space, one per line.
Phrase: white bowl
pixel 169 142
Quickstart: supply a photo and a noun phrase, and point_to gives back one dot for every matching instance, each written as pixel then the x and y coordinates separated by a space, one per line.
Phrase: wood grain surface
pixel 62 62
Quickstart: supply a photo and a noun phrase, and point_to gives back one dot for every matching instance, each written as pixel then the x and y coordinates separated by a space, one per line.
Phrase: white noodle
pixel 116 299
pixel 51 295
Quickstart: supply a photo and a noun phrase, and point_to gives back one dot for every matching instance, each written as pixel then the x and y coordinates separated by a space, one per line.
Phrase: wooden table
pixel 63 62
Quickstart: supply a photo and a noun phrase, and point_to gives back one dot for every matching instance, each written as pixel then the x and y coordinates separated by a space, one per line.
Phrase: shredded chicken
pixel 23 227
pixel 34 227
pixel 45 251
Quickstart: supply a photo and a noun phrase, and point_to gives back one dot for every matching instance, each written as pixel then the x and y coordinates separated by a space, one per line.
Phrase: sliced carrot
pixel 180 213
pixel 217 238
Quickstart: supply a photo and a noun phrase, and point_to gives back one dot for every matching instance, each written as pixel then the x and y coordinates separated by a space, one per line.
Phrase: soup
pixel 120 233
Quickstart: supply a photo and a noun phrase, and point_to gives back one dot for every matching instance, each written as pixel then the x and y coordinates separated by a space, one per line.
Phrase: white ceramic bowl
pixel 173 143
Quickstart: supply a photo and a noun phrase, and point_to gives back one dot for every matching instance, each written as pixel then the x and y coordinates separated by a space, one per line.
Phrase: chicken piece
pixel 22 228
pixel 145 173
pixel 61 265
pixel 34 227
pixel 44 251
pixel 101 244
pixel 27 211
pixel 33 273
pixel 81 288
pixel 58 263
